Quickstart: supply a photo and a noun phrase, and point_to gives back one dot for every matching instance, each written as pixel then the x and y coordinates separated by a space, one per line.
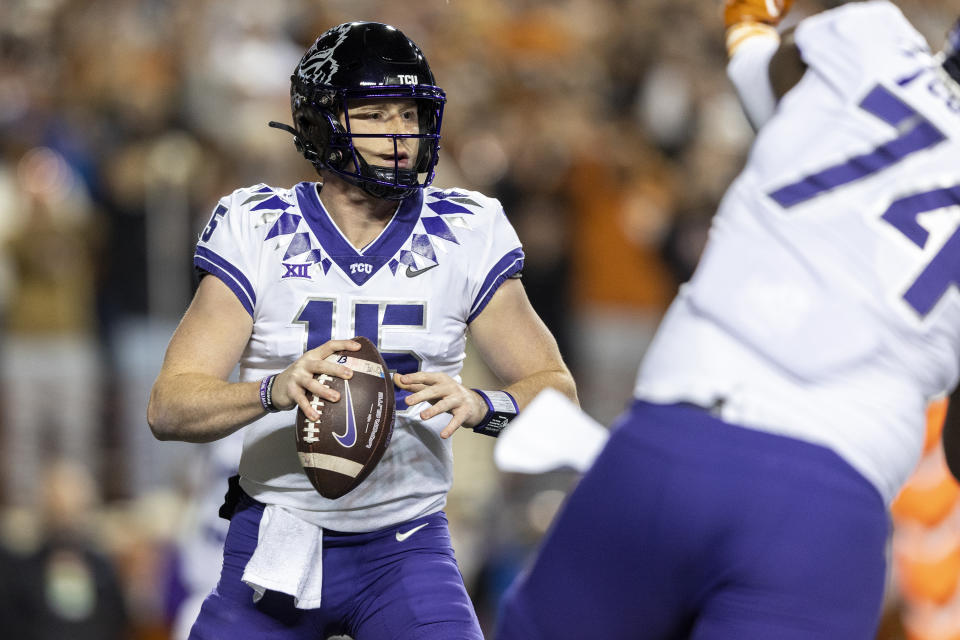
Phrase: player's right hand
pixel 293 383
pixel 765 11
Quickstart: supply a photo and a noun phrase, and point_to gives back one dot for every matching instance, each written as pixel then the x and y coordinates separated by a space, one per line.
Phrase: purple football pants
pixel 689 527
pixel 375 587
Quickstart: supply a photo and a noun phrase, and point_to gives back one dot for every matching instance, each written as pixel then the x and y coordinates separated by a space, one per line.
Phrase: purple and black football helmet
pixel 355 61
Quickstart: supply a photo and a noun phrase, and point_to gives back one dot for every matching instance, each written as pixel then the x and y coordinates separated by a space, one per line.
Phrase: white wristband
pixel 501 409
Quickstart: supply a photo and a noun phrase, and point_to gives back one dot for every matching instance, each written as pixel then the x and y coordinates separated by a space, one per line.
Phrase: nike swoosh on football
pixel 403 536
pixel 413 273
pixel 349 437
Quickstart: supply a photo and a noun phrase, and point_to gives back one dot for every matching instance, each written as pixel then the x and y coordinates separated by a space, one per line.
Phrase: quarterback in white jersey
pixel 291 275
pixel 781 404
pixel 414 289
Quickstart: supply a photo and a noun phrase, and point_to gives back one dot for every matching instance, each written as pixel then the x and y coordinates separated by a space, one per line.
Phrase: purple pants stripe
pixel 375 587
pixel 689 527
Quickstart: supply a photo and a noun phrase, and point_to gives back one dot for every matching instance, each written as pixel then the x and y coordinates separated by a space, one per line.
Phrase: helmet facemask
pixel 324 123
pixel 349 64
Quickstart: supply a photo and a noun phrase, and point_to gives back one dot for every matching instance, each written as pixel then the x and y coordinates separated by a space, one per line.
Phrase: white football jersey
pixel 825 306
pixel 412 291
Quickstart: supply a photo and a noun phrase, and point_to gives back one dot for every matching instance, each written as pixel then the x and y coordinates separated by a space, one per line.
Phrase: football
pixel 339 450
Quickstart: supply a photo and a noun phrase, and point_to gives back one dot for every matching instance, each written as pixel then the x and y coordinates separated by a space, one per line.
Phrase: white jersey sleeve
pixel 228 246
pixel 845 46
pixel 502 257
pixel 749 71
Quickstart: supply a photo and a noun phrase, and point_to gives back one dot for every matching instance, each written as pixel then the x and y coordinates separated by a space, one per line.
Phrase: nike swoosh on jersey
pixel 403 536
pixel 413 273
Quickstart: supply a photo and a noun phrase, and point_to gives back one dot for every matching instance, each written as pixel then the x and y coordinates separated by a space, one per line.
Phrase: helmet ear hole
pixel 312 127
pixel 306 121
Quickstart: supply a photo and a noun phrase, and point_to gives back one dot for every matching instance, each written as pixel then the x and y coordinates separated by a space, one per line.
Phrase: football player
pixel 291 275
pixel 744 493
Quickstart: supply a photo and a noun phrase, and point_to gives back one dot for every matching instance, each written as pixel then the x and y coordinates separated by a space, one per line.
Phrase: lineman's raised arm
pixel 761 68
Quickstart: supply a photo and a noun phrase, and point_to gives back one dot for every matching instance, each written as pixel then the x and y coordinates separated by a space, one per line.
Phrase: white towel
pixel 550 433
pixel 288 558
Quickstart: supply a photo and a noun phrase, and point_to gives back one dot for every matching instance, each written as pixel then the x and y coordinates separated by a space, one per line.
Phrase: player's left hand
pixel 445 395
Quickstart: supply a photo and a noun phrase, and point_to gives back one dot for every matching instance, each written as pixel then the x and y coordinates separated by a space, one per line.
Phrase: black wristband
pixel 501 409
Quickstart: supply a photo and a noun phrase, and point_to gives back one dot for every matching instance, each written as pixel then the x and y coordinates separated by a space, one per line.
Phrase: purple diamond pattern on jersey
pixel 444 207
pixel 434 227
pixel 288 224
pixel 274 203
pixel 420 245
pixel 425 225
pixel 437 227
pixel 407 258
pixel 314 256
pixel 299 243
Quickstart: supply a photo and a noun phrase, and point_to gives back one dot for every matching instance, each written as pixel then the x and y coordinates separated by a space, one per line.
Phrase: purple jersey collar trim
pixel 377 253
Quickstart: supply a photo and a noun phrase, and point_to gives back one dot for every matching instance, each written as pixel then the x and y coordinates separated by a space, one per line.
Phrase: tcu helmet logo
pixel 361 267
pixel 405 79
pixel 320 65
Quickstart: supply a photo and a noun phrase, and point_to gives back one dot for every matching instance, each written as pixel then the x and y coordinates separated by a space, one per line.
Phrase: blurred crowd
pixel 606 127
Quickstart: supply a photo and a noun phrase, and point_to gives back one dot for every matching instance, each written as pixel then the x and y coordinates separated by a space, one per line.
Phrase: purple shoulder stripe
pixel 214 264
pixel 507 266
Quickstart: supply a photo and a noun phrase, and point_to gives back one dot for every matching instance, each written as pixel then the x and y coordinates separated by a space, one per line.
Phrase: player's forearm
pixel 201 408
pixel 526 389
pixel 749 73
pixel 752 41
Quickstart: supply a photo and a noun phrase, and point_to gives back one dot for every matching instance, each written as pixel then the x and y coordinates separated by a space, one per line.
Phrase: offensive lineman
pixel 293 274
pixel 781 405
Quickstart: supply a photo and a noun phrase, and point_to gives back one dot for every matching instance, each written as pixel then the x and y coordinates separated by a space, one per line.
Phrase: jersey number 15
pixel 369 318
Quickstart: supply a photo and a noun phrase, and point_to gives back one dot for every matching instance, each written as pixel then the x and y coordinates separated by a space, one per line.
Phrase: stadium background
pixel 606 127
